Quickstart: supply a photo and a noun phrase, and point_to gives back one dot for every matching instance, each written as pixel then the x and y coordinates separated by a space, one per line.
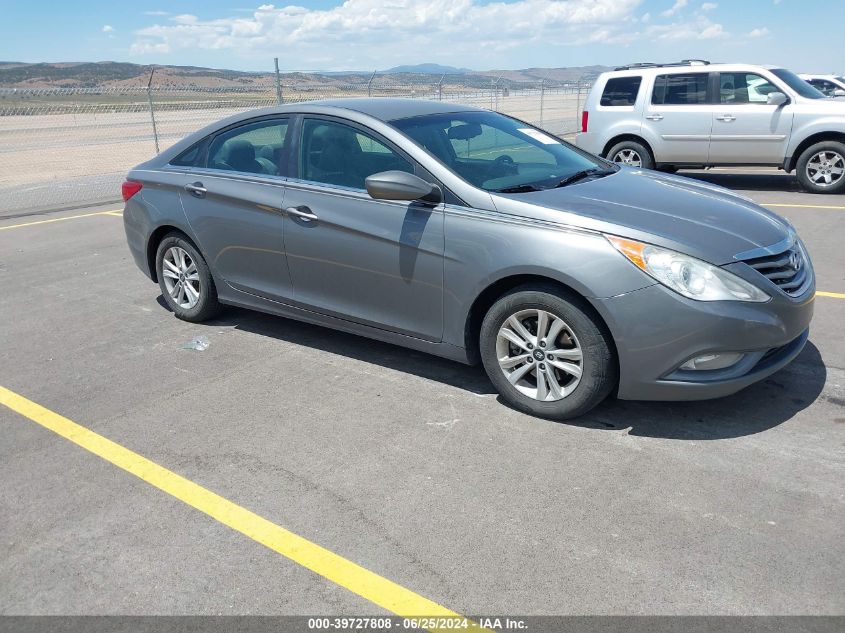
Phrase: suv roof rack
pixel 683 62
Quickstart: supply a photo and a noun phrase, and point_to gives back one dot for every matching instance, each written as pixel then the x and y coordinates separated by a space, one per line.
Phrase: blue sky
pixel 479 34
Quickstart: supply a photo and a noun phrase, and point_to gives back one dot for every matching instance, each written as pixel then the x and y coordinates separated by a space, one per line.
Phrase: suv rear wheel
pixel 821 167
pixel 632 154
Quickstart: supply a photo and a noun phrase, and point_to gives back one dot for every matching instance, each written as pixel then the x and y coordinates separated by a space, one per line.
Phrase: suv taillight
pixel 129 189
pixel 585 117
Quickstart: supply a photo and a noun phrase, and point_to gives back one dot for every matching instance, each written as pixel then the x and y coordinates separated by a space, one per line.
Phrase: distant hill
pixel 429 69
pixel 124 74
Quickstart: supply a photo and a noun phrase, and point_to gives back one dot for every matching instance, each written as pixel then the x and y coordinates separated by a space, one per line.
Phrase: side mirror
pixel 400 185
pixel 839 92
pixel 776 98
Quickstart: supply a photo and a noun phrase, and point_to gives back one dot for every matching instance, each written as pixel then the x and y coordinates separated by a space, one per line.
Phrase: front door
pixel 234 206
pixel 745 128
pixel 375 262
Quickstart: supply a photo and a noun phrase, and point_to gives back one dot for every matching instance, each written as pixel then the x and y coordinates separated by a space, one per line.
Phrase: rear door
pixel 746 130
pixel 678 117
pixel 233 203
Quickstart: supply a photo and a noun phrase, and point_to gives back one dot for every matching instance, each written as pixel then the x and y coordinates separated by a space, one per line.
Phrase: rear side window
pixel 621 91
pixel 681 89
pixel 255 148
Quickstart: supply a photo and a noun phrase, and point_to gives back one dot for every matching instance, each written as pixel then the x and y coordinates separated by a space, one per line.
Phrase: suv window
pixel 337 154
pixel 680 89
pixel 739 88
pixel 621 91
pixel 824 86
pixel 255 148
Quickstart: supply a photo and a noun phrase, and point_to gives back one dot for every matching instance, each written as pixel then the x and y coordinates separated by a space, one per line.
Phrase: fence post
pixel 542 99
pixel 370 84
pixel 278 82
pixel 152 109
pixel 440 88
pixel 578 106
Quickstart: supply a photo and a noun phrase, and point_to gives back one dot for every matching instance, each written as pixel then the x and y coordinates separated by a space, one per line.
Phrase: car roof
pixel 686 68
pixel 384 109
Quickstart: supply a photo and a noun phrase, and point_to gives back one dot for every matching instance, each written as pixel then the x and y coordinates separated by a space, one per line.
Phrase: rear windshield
pixel 797 84
pixel 621 91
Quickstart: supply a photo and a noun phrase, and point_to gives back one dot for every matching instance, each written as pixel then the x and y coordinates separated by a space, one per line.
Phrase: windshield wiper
pixel 584 173
pixel 517 189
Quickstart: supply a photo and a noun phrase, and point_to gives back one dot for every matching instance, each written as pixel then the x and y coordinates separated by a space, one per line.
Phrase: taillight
pixel 129 189
pixel 585 117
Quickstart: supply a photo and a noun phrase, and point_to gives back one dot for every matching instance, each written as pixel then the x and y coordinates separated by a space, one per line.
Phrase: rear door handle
pixel 654 117
pixel 196 189
pixel 726 117
pixel 303 213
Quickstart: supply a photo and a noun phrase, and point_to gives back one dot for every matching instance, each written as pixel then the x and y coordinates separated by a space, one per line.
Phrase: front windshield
pixel 494 152
pixel 797 84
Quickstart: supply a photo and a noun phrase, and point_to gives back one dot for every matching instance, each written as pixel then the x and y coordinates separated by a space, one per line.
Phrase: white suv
pixel 696 114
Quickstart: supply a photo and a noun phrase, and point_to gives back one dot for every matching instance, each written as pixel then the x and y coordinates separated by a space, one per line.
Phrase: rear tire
pixel 562 373
pixel 821 167
pixel 185 280
pixel 632 154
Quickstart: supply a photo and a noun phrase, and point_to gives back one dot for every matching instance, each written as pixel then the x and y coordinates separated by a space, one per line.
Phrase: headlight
pixel 686 275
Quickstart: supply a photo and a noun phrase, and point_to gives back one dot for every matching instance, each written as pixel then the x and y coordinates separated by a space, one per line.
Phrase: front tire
pixel 546 354
pixel 632 154
pixel 821 167
pixel 185 280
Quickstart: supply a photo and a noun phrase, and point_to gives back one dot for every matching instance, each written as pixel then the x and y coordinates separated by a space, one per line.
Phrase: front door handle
pixel 726 117
pixel 654 117
pixel 196 189
pixel 303 213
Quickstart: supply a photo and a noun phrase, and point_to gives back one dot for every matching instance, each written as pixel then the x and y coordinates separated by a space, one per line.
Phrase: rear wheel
pixel 545 354
pixel 632 154
pixel 821 167
pixel 185 280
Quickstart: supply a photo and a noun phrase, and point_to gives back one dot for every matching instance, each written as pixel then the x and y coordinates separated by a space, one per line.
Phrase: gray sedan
pixel 477 237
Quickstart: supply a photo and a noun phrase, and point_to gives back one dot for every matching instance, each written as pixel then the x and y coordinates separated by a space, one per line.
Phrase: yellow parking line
pixel 835 295
pixel 802 206
pixel 333 567
pixel 67 217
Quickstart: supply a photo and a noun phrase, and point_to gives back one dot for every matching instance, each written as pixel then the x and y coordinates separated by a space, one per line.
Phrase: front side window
pixel 744 88
pixel 494 152
pixel 255 148
pixel 825 87
pixel 621 91
pixel 680 89
pixel 337 154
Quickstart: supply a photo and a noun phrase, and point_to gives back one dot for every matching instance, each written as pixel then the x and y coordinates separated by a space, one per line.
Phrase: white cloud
pixel 700 28
pixel 709 6
pixel 107 28
pixel 759 32
pixel 679 4
pixel 378 34
pixel 156 13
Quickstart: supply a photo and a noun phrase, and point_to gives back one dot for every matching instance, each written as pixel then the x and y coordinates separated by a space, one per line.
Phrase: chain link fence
pixel 72 147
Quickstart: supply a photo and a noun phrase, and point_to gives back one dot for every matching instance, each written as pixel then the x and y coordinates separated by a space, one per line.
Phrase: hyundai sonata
pixel 477 237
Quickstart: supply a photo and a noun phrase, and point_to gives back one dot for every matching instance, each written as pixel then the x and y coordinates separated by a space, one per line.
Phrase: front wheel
pixel 821 167
pixel 546 354
pixel 185 280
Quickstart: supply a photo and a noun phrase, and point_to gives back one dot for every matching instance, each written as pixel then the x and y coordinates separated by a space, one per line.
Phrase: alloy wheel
pixel 628 157
pixel 539 355
pixel 826 168
pixel 181 278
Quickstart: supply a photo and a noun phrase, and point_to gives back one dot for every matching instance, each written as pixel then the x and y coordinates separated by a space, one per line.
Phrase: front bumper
pixel 656 331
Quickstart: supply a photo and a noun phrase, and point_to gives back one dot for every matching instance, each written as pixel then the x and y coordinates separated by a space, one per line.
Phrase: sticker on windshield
pixel 537 135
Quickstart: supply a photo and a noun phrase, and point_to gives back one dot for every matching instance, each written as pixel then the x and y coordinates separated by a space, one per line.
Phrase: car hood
pixel 686 215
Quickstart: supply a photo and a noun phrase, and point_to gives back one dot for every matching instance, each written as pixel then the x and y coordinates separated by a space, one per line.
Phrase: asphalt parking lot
pixel 405 465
